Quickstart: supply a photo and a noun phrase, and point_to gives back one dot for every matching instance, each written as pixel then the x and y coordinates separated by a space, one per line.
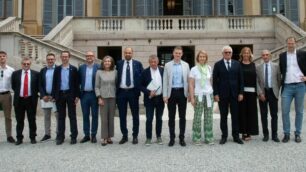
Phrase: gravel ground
pixel 254 155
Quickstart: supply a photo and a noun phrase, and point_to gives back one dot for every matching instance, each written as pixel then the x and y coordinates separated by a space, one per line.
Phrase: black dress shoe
pixel 298 139
pixel 182 142
pixel 85 139
pixel 222 141
pixel 33 141
pixel 73 141
pixel 123 140
pixel 238 140
pixel 93 139
pixel 10 139
pixel 171 143
pixel 275 139
pixel 135 140
pixel 286 138
pixel 265 138
pixel 19 142
pixel 46 137
pixel 59 142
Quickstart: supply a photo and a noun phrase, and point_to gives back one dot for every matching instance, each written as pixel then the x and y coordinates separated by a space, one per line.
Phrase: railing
pixel 109 24
pixel 11 24
pixel 240 23
pixel 19 45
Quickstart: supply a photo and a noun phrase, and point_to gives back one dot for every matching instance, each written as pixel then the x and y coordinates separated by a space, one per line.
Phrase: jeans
pixel 293 91
pixel 89 102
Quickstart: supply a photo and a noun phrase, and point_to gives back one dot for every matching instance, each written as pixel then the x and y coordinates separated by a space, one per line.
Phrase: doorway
pixel 238 48
pixel 173 7
pixel 115 52
pixel 164 54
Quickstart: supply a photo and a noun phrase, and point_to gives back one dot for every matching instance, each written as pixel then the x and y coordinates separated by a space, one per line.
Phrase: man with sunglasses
pixel 228 90
pixel 5 94
pixel 25 86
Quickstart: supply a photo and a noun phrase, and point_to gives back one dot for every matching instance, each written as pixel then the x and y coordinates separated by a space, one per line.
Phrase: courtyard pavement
pixel 254 155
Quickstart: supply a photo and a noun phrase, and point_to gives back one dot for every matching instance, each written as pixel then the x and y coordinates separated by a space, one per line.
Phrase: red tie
pixel 25 84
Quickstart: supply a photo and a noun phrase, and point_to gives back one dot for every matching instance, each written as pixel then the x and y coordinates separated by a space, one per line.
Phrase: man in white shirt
pixel 5 94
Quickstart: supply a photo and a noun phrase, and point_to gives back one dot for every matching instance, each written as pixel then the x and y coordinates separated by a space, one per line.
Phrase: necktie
pixel 128 75
pixel 266 77
pixel 25 84
pixel 228 65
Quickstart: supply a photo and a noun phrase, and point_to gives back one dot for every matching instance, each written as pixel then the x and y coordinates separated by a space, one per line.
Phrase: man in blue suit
pixel 151 86
pixel 228 90
pixel 66 92
pixel 87 74
pixel 128 91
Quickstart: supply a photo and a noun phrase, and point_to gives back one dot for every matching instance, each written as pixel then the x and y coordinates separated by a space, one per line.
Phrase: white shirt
pixel 5 78
pixel 123 77
pixel 269 73
pixel 156 77
pixel 22 83
pixel 196 75
pixel 294 72
pixel 230 63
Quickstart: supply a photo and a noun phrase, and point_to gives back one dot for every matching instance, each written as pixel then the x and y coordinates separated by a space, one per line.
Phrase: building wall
pixel 32 17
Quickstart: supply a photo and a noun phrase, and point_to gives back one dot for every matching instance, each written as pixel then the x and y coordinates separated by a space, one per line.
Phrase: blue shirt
pixel 49 79
pixel 177 73
pixel 88 78
pixel 65 78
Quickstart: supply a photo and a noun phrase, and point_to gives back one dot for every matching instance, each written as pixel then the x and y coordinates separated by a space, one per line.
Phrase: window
pixel 147 7
pixel 6 8
pixel 228 7
pixel 116 7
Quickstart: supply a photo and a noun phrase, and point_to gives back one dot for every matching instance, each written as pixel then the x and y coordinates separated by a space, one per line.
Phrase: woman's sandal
pixel 109 141
pixel 104 142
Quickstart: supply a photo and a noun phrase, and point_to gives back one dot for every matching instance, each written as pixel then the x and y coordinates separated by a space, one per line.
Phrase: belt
pixel 178 89
pixel 126 89
pixel 5 92
pixel 88 91
pixel 295 83
pixel 65 91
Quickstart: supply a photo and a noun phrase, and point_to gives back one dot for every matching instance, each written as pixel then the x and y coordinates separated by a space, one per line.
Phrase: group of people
pixel 234 85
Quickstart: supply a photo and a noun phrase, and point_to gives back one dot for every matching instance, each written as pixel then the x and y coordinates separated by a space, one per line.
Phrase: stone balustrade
pixel 10 24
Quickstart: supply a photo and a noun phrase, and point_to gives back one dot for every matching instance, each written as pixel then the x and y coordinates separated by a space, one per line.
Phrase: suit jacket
pixel 82 76
pixel 42 82
pixel 275 79
pixel 137 69
pixel 301 60
pixel 16 85
pixel 227 83
pixel 167 78
pixel 146 78
pixel 73 82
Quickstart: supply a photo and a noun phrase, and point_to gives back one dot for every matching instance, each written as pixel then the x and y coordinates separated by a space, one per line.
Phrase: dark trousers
pixel 26 105
pixel 89 102
pixel 125 97
pixel 157 104
pixel 178 98
pixel 272 101
pixel 224 105
pixel 66 99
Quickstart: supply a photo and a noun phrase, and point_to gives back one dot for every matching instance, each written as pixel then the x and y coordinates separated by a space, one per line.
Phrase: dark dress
pixel 248 119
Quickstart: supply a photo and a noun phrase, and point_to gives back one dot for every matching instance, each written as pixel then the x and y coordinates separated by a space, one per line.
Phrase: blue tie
pixel 128 75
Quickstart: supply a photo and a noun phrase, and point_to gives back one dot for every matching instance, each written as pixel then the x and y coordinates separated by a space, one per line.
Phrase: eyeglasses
pixel 227 52
pixel 26 64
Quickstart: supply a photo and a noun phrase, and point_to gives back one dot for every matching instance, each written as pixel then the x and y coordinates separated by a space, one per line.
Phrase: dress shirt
pixel 49 79
pixel 65 78
pixel 269 73
pixel 123 76
pixel 156 77
pixel 177 73
pixel 22 83
pixel 88 80
pixel 294 72
pixel 230 63
pixel 5 78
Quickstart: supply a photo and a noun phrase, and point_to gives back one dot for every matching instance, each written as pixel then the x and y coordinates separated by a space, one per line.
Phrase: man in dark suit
pixel 45 90
pixel 66 92
pixel 128 91
pixel 25 85
pixel 228 90
pixel 87 75
pixel 151 86
pixel 268 84
pixel 293 69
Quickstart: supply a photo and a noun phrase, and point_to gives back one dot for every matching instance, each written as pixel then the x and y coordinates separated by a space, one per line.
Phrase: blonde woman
pixel 201 97
pixel 105 89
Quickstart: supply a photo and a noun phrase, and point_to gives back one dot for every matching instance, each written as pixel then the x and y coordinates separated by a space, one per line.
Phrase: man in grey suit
pixel 268 84
pixel 175 92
